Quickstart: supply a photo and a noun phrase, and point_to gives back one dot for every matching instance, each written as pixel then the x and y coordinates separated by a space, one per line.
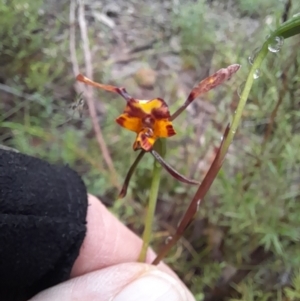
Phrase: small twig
pixel 271 124
pixel 88 91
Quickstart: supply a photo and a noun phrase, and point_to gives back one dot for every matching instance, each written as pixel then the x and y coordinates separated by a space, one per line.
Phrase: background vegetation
pixel 246 235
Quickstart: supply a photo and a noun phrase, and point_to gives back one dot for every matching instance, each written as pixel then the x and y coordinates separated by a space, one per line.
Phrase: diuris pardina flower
pixel 151 119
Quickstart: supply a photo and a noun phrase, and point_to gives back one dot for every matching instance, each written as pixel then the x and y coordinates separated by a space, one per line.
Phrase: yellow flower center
pixel 149 119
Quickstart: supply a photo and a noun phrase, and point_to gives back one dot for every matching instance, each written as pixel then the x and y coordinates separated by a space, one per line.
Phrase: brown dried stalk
pixel 194 205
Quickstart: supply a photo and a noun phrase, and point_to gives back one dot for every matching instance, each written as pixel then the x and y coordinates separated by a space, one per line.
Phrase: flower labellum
pixel 149 119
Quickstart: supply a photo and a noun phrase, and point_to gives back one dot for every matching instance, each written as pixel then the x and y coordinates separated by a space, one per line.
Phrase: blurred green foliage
pixel 256 8
pixel 197 31
pixel 28 54
pixel 255 200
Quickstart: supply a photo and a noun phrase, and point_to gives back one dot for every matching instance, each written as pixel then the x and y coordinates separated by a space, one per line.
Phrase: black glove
pixel 42 224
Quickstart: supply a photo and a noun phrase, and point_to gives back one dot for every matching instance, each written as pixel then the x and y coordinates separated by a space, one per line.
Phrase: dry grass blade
pixel 194 205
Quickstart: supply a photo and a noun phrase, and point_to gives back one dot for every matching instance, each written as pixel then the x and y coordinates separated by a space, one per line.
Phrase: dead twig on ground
pixel 88 91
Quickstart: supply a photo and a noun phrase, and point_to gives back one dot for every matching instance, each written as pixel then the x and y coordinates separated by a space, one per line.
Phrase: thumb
pixel 122 282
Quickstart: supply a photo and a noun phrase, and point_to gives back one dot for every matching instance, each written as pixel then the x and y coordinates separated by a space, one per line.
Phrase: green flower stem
pixel 286 30
pixel 243 99
pixel 151 210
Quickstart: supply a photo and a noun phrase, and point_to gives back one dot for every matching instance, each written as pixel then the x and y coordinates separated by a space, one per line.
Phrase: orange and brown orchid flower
pixel 151 119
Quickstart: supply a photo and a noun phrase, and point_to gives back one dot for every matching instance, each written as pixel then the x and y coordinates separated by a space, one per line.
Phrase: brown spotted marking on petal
pixel 170 130
pixel 156 107
pixel 163 128
pixel 136 145
pixel 121 120
pixel 130 123
pixel 145 143
pixel 132 117
pixel 135 110
pixel 144 140
pixel 162 113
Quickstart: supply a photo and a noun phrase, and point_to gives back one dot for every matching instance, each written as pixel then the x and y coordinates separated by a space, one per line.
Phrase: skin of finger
pixel 108 242
pixel 105 284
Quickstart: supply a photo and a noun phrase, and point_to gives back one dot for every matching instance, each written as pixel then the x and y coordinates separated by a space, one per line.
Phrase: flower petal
pixel 121 91
pixel 144 140
pixel 130 123
pixel 156 107
pixel 171 170
pixel 149 118
pixel 163 128
pixel 207 84
pixel 130 172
